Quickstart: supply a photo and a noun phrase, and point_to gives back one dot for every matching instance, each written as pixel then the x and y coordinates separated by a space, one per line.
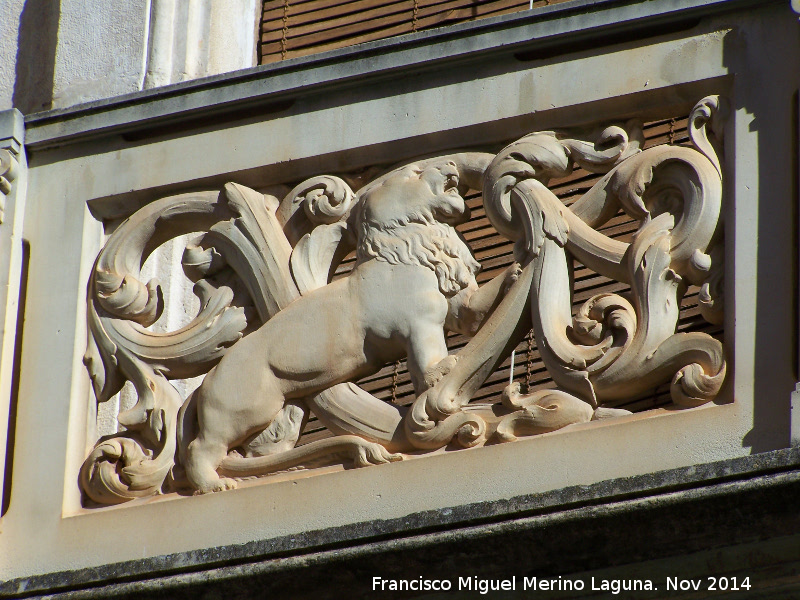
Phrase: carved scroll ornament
pixel 279 339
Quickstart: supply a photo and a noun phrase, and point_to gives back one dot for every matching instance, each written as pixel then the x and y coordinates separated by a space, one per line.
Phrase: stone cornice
pixel 761 487
pixel 546 32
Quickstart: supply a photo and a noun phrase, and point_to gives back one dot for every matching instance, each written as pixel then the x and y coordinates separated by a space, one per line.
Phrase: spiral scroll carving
pixel 304 336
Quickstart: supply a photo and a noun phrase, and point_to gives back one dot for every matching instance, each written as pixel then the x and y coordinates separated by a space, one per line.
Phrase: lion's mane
pixel 420 240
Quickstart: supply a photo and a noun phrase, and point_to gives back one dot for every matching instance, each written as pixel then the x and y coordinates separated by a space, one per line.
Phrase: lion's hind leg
pixel 359 450
pixel 202 459
pixel 198 458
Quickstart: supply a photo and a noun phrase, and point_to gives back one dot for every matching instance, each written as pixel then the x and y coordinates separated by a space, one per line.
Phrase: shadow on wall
pixel 36 55
pixel 770 99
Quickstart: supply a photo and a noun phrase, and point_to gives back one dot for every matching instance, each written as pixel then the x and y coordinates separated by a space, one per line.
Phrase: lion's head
pixel 406 217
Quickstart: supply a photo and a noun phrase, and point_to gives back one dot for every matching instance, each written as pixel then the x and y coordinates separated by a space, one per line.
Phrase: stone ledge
pixel 269 87
pixel 717 505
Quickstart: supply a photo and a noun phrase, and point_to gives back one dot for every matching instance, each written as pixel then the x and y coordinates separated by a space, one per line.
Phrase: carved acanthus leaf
pixel 323 200
pixel 540 412
pixel 706 127
pixel 254 245
pixel 316 255
pixel 120 349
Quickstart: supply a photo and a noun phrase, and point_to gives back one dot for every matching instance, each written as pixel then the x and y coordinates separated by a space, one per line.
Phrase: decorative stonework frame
pixel 490 82
pixel 279 339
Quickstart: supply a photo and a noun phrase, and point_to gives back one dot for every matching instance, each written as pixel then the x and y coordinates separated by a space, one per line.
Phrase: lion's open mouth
pixel 451 184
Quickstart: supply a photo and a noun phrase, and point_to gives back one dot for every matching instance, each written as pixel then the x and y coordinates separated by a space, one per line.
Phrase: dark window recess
pixel 291 28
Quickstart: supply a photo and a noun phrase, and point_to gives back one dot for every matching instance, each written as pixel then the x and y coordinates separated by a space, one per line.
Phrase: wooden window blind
pixel 393 384
pixel 291 28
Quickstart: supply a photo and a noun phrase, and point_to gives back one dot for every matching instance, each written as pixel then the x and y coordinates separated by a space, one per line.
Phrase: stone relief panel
pixel 8 173
pixel 281 338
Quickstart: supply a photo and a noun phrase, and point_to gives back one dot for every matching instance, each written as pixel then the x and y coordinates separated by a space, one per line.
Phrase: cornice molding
pixel 766 482
pixel 548 31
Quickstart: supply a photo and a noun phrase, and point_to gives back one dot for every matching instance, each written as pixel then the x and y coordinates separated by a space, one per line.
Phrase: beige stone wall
pixel 73 185
pixel 59 54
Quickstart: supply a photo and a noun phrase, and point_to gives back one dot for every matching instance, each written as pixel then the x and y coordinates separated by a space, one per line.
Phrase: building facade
pixel 535 273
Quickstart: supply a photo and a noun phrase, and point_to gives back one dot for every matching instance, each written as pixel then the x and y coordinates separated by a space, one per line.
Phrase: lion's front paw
pixel 435 374
pixel 370 453
pixel 220 485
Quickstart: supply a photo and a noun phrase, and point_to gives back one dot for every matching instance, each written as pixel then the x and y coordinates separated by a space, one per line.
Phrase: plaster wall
pixel 101 50
pixel 233 34
pixel 29 30
pixel 379 119
pixel 59 54
pixel 200 37
pixel 9 26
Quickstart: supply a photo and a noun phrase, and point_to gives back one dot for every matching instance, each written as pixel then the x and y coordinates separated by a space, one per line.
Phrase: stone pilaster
pixel 12 258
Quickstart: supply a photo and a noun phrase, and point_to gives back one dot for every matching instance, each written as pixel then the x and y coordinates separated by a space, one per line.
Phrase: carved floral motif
pixel 278 339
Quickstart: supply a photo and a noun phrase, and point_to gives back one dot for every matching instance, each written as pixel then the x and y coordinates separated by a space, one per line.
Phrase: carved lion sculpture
pixel 414 277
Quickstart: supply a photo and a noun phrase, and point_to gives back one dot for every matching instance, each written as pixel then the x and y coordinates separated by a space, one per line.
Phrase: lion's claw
pixel 221 485
pixel 435 374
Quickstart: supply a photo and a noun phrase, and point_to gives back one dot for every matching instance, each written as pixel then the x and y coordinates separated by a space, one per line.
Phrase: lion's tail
pixel 361 451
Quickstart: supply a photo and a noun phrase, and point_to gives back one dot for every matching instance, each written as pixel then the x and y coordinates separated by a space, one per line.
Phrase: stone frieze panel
pixel 279 338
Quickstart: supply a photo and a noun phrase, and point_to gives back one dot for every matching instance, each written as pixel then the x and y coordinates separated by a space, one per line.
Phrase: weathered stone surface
pixel 413 281
pixel 581 23
pixel 734 517
pixel 81 183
